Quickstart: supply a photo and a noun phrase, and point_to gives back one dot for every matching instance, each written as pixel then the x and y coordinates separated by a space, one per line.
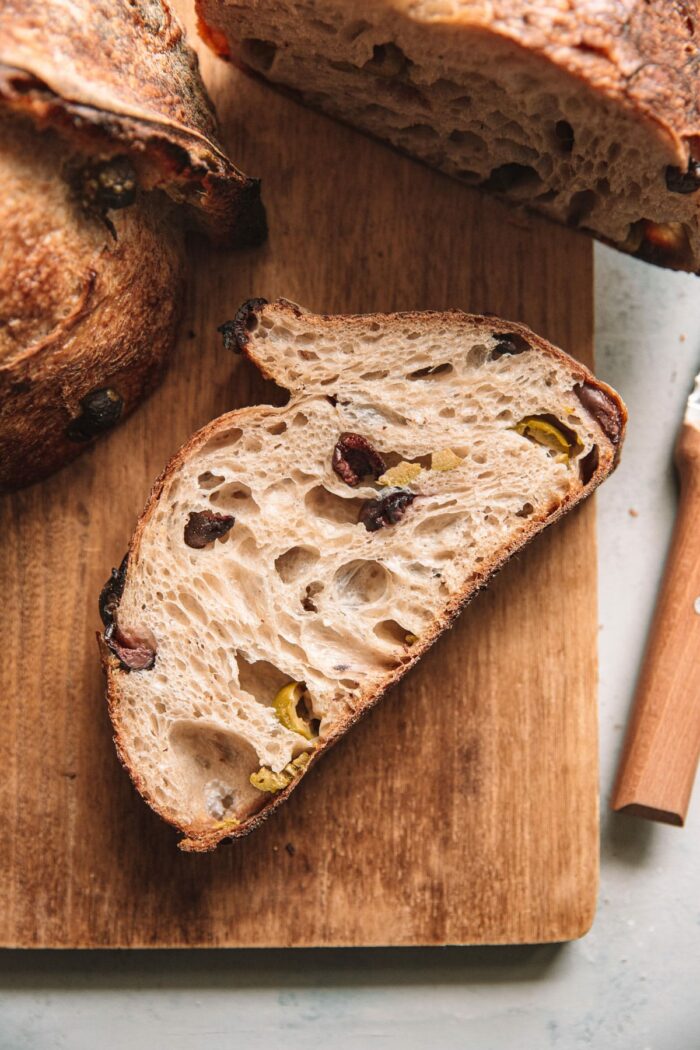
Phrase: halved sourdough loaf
pixel 292 563
pixel 108 150
pixel 585 110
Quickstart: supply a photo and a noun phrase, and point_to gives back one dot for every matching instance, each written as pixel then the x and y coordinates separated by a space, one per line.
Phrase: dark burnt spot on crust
pixel 355 458
pixel 135 651
pixel 377 514
pixel 205 526
pixel 101 410
pixel 111 593
pixel 603 409
pixel 236 332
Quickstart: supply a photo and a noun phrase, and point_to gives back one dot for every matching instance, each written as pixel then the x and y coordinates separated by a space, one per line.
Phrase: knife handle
pixel 661 750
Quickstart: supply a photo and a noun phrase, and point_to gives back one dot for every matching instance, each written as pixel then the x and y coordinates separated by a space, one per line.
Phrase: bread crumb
pixel 633 513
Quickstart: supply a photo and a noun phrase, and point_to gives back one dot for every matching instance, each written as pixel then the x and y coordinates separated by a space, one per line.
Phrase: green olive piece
pixel 287 709
pixel 553 435
pixel 265 779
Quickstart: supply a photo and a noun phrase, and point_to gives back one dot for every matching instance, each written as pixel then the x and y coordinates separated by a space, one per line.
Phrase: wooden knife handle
pixel 661 751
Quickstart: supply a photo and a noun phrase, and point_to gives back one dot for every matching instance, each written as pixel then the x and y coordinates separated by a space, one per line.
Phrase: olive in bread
pixel 585 111
pixel 292 563
pixel 108 150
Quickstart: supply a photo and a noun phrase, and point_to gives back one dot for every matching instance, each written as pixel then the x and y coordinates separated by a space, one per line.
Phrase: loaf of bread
pixel 108 149
pixel 587 111
pixel 293 563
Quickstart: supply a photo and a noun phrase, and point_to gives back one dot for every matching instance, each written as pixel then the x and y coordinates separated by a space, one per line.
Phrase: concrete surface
pixel 632 984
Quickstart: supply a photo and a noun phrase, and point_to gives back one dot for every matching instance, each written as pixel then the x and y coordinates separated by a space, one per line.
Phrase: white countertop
pixel 632 984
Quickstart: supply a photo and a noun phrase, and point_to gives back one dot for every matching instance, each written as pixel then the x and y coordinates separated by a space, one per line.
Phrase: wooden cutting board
pixel 464 808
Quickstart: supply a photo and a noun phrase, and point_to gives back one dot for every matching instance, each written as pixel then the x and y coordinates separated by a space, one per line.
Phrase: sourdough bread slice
pixel 293 563
pixel 587 111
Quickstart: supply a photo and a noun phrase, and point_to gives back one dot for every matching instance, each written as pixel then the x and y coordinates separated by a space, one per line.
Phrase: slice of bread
pixel 584 111
pixel 293 563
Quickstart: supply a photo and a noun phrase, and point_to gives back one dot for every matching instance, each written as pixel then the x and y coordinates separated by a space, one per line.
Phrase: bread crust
pixel 641 55
pixel 201 838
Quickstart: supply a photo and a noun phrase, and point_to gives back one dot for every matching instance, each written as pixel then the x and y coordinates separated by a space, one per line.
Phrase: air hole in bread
pixel 300 420
pixel 353 30
pixel 469 140
pixel 476 355
pixel 439 523
pixel 564 136
pixel 192 607
pixel 277 428
pixel 235 496
pixel 580 206
pixel 432 371
pixel 207 480
pixel 260 678
pixel 380 373
pixel 296 562
pixel 360 582
pixel 221 440
pixel 214 765
pixel 332 508
pixel 525 511
pixel 422 131
pixel 519 179
pixel 394 633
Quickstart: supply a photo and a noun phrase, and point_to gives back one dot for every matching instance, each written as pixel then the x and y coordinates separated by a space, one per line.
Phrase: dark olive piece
pixel 509 343
pixel 101 409
pixel 204 526
pixel 688 181
pixel 109 185
pixel 588 465
pixel 134 653
pixel 236 332
pixel 111 593
pixel 602 408
pixel 354 458
pixel 377 514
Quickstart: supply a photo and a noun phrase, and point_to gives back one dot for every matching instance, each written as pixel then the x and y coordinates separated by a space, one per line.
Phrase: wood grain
pixel 464 809
pixel 661 751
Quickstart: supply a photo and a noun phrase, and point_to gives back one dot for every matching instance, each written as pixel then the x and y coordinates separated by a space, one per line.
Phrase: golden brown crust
pixel 115 76
pixel 204 838
pixel 82 309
